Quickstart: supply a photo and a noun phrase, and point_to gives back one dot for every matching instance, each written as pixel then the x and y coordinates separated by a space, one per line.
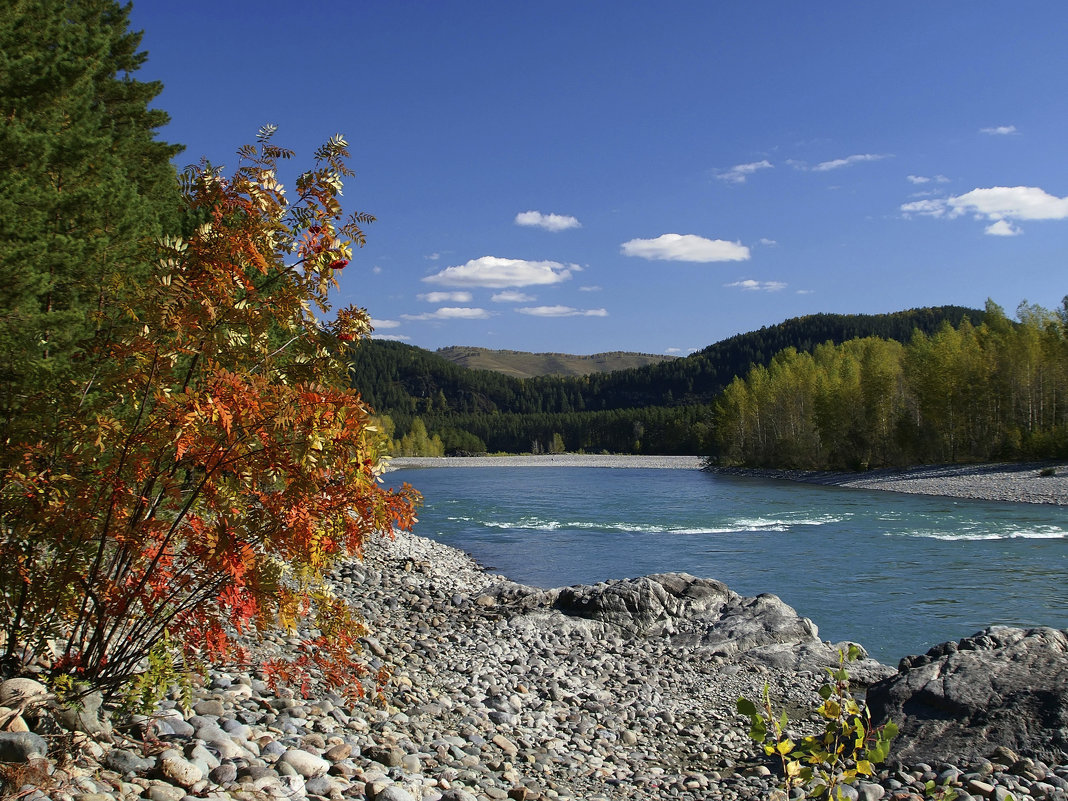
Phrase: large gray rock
pixel 696 613
pixel 1003 686
pixel 644 605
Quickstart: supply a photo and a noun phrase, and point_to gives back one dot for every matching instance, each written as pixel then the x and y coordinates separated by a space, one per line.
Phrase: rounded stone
pixel 272 748
pixel 393 792
pixel 21 746
pixel 165 792
pixel 180 771
pixel 320 785
pixel 225 773
pixel 209 706
pixel 11 720
pixel 384 755
pixel 16 692
pixel 338 752
pixel 127 762
pixel 171 722
pixel 306 764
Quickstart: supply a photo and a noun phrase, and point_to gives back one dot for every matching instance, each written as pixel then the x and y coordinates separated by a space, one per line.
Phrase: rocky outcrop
pixel 1001 687
pixel 696 614
pixel 647 605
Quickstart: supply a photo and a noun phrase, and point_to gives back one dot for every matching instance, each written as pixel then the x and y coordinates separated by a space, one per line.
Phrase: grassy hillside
pixel 521 364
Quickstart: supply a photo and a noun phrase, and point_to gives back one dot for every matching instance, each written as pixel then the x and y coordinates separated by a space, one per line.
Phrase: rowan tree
pixel 218 464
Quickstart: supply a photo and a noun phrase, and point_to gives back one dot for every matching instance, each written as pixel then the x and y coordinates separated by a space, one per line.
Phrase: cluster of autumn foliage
pixel 207 463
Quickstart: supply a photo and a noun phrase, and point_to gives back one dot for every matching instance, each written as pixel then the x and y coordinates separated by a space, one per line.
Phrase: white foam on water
pixel 735 526
pixel 1042 533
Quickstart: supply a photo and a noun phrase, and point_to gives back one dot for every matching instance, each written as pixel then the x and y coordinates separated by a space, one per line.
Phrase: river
pixel 896 573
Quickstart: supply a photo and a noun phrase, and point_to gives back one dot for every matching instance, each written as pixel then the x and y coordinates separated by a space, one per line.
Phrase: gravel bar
pixel 1030 482
pixel 551 460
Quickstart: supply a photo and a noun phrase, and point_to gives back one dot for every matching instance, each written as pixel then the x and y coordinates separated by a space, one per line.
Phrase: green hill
pixel 521 364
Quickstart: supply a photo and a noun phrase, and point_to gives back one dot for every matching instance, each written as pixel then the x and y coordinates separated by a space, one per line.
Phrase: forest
pixel 967 393
pixel 663 408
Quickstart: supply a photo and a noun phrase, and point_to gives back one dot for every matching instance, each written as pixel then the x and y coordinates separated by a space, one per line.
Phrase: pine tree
pixel 84 187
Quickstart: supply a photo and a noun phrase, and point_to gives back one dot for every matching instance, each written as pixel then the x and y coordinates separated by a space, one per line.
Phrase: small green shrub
pixel 1046 472
pixel 849 747
pixel 166 668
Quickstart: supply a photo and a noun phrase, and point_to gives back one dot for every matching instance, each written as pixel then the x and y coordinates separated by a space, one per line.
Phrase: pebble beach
pixel 494 697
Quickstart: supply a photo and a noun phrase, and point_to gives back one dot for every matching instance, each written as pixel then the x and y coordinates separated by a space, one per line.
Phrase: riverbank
pixel 624 690
pixel 551 460
pixel 1011 482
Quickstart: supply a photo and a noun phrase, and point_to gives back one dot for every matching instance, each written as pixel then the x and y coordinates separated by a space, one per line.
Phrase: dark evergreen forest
pixel 663 408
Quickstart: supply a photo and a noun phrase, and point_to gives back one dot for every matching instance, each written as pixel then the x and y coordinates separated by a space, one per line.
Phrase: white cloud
pixel 999 204
pixel 1012 202
pixel 385 323
pixel 758 286
pixel 391 337
pixel 739 172
pixel 493 272
pixel 590 288
pixel 849 161
pixel 511 296
pixel 434 256
pixel 562 311
pixel 446 297
pixel 550 222
pixel 768 242
pixel 450 313
pixel 935 207
pixel 1002 228
pixel 1000 130
pixel 923 179
pixel 685 247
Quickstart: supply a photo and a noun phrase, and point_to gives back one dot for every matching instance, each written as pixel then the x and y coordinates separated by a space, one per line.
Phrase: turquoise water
pixel 897 573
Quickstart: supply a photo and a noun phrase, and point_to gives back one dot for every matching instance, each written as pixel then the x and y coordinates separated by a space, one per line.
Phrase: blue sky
pixel 593 176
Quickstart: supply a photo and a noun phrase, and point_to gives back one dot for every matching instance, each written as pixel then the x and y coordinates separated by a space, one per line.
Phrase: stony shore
pixel 1013 483
pixel 551 460
pixel 624 690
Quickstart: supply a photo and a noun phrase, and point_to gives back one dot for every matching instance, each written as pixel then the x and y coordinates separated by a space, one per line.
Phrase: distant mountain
pixel 521 364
